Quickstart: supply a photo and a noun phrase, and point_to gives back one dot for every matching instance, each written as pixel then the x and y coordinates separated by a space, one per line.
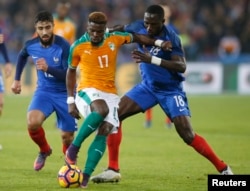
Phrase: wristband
pixel 70 100
pixel 158 42
pixel 155 60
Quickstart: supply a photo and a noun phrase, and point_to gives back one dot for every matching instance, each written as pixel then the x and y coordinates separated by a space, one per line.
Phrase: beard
pixel 47 42
pixel 95 43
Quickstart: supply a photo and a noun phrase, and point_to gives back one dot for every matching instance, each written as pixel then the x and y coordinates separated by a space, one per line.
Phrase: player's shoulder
pixel 69 21
pixel 135 27
pixel 171 34
pixel 32 41
pixel 61 41
pixel 84 39
pixel 138 22
pixel 169 30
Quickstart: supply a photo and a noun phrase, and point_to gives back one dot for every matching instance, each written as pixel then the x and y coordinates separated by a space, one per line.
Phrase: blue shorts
pixel 48 103
pixel 173 103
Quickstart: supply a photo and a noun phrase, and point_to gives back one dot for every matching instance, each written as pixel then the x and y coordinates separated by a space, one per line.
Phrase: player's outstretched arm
pixel 144 39
pixel 116 28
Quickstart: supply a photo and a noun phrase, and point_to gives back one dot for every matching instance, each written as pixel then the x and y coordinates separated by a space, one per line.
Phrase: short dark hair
pixel 64 2
pixel 156 9
pixel 44 16
pixel 98 18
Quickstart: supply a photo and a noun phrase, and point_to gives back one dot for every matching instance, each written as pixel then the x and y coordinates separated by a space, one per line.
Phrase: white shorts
pixel 88 95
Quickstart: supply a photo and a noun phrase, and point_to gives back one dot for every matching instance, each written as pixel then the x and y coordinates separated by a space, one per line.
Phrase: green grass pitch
pixel 153 159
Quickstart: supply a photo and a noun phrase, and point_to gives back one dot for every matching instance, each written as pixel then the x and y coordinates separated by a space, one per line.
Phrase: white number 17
pixel 103 61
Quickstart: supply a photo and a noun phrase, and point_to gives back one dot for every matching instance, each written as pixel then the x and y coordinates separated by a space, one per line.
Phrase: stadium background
pixel 151 158
pixel 214 33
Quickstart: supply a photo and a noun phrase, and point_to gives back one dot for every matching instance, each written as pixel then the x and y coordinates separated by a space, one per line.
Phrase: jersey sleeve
pixel 21 62
pixel 3 50
pixel 122 37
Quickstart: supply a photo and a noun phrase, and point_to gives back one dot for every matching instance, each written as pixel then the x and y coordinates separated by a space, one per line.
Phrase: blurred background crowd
pixel 210 30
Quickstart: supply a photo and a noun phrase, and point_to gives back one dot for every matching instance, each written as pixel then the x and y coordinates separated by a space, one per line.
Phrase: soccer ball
pixel 70 176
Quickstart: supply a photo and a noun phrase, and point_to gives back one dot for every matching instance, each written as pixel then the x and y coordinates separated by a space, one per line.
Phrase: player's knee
pixel 101 107
pixel 67 137
pixel 105 130
pixel 33 124
pixel 103 111
pixel 184 130
pixel 188 138
pixel 35 120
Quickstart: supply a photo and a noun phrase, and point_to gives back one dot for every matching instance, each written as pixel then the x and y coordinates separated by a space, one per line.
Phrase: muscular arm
pixel 176 64
pixel 143 39
pixel 70 84
pixel 116 28
pixel 71 81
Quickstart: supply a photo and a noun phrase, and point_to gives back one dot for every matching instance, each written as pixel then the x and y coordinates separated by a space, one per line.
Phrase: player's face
pixel 96 32
pixel 153 24
pixel 62 10
pixel 44 30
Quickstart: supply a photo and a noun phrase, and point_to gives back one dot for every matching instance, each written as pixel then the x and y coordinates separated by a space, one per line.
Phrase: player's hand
pixel 41 64
pixel 8 69
pixel 141 57
pixel 73 111
pixel 166 45
pixel 16 87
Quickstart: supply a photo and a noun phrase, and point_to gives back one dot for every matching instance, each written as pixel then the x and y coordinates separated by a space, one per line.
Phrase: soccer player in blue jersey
pixel 7 68
pixel 162 78
pixel 50 55
pixel 149 112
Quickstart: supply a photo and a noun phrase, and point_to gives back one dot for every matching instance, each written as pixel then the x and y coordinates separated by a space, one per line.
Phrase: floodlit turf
pixel 153 159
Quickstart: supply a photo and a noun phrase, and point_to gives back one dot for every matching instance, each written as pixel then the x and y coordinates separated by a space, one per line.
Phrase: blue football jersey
pixel 154 76
pixel 56 57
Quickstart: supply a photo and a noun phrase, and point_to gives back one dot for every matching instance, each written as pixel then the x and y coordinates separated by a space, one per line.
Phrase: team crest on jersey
pixel 56 60
pixel 112 46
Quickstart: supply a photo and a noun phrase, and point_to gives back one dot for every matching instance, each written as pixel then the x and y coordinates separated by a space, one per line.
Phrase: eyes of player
pixel 48 27
pixel 96 31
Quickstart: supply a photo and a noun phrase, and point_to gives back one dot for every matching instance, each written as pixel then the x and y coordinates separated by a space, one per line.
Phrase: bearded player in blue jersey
pixel 162 78
pixel 50 55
